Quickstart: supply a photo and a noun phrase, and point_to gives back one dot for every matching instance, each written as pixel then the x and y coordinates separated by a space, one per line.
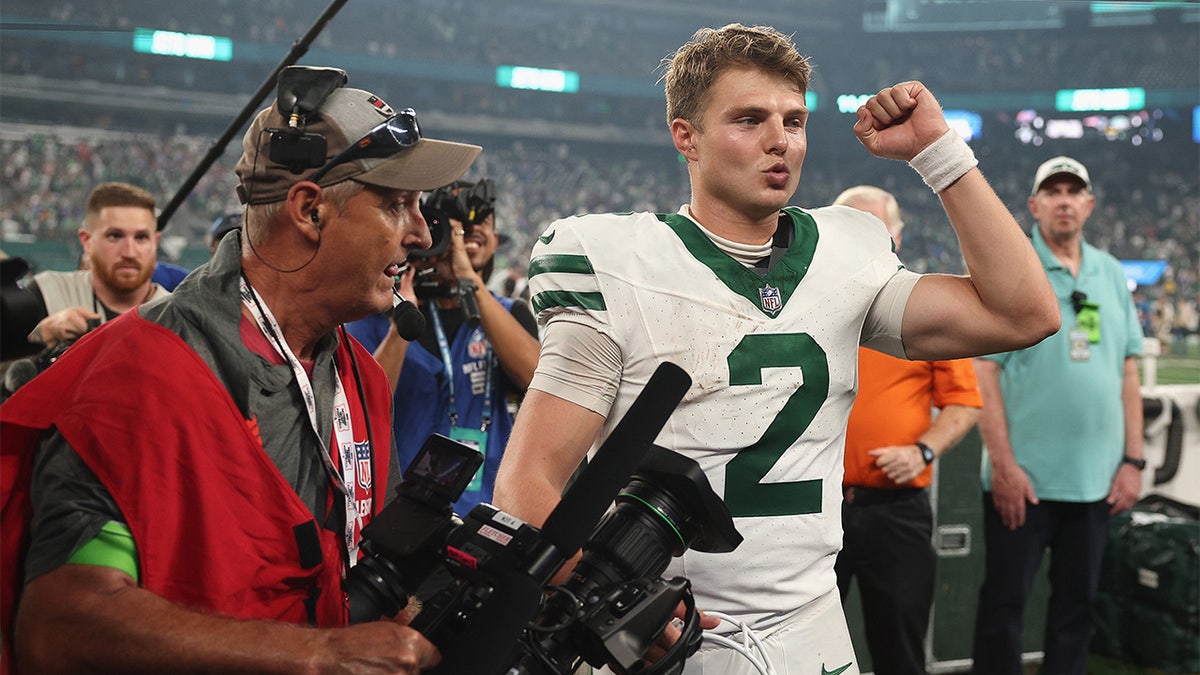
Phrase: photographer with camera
pixel 477 349
pixel 198 511
pixel 120 247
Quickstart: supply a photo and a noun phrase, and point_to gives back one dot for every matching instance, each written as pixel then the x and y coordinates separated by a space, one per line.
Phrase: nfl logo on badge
pixel 362 452
pixel 771 300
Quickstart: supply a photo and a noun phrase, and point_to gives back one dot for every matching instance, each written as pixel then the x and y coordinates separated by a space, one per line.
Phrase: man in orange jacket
pixel 891 442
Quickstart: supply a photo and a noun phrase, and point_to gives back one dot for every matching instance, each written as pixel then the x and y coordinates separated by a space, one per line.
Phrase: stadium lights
pixel 188 45
pixel 1078 100
pixel 538 79
pixel 968 124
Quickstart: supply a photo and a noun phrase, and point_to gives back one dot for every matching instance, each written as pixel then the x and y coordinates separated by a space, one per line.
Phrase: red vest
pixel 214 521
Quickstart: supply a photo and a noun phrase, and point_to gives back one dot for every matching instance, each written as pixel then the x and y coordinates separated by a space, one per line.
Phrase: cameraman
pixel 198 508
pixel 457 379
pixel 120 248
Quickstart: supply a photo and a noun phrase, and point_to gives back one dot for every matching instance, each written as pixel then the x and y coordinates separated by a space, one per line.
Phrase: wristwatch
pixel 1139 464
pixel 926 452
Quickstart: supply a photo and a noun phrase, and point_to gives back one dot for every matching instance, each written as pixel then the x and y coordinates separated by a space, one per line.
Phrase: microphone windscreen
pixel 410 323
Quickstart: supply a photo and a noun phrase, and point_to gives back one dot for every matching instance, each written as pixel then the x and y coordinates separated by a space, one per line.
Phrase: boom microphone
pixel 513 599
pixel 609 470
pixel 409 321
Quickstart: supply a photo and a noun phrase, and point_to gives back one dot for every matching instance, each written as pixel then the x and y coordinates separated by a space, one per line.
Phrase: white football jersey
pixel 773 364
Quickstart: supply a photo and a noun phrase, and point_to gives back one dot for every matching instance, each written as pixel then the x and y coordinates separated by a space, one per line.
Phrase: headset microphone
pixel 409 321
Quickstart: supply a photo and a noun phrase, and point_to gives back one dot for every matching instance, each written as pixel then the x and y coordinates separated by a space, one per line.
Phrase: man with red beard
pixel 120 246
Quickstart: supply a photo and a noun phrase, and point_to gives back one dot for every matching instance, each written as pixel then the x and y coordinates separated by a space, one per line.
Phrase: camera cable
pixel 750 647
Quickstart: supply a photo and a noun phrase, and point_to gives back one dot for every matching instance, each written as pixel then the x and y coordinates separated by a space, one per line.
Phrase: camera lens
pixel 635 539
pixel 375 588
pixel 439 230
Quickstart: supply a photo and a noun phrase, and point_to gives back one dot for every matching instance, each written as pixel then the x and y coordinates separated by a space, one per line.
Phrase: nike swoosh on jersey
pixel 546 238
pixel 835 671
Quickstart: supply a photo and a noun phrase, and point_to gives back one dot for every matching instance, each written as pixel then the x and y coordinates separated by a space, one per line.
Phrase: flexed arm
pixel 1005 302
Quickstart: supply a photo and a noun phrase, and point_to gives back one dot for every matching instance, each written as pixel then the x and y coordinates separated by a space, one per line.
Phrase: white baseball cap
pixel 1061 165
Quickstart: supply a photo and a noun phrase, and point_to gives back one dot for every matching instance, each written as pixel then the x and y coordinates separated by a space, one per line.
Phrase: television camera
pixel 481 581
pixel 469 204
pixel 464 201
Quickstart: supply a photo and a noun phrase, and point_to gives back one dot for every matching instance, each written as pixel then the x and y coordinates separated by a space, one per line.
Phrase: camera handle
pixel 689 640
pixel 470 306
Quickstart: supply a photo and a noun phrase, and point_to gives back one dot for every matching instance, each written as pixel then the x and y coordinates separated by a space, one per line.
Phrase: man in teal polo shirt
pixel 1062 430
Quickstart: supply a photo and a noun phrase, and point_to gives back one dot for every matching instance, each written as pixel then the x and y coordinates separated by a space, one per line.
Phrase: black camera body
pixel 302 90
pixel 614 604
pixel 48 356
pixel 468 203
pixel 406 541
pixel 480 581
pixel 489 577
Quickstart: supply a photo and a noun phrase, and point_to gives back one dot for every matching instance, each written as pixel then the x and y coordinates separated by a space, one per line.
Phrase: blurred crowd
pixel 46 179
pixel 614 42
pixel 443 56
pixel 1149 198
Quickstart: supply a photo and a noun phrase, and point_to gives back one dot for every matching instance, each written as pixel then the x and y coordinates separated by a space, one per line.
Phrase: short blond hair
pixel 691 71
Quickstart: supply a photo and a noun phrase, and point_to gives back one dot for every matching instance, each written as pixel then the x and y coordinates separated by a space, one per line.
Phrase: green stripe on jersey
pixel 547 299
pixel 562 263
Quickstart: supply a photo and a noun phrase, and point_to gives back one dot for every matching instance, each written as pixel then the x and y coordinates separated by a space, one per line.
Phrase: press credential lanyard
pixel 444 348
pixel 475 438
pixel 347 483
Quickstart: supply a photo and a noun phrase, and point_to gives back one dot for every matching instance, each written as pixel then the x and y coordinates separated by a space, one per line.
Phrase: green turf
pixel 1179 367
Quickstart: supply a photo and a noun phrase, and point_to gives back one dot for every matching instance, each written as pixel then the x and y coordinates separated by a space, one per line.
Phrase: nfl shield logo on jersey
pixel 477 348
pixel 772 302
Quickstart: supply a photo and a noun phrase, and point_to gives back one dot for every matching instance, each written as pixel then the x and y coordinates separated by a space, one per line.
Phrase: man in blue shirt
pixel 1062 429
pixel 477 350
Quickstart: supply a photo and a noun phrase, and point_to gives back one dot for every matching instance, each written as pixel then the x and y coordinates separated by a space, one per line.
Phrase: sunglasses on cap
pixel 396 134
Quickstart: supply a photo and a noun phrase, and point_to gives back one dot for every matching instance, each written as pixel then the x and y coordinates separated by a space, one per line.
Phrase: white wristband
pixel 944 161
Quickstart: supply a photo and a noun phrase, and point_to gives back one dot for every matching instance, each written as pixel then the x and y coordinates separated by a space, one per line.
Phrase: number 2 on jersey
pixel 745 496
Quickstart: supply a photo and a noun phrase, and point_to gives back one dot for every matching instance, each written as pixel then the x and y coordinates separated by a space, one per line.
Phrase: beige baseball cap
pixel 346 116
